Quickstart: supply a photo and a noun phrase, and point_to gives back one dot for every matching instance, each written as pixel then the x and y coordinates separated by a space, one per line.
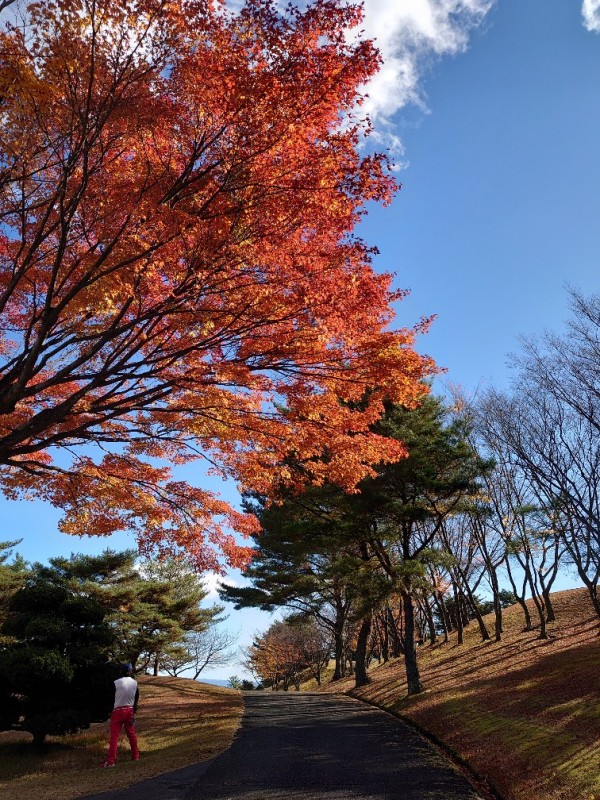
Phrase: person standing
pixel 126 700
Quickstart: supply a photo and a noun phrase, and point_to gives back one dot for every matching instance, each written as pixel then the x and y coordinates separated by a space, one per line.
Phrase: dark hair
pixel 126 669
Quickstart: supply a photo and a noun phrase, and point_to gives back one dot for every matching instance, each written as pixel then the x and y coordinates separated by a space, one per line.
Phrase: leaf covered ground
pixel 179 722
pixel 524 713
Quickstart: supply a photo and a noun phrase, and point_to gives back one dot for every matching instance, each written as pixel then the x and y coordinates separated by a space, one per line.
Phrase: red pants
pixel 122 717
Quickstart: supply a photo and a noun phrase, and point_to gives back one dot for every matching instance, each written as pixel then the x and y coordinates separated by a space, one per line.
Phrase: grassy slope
pixel 179 722
pixel 524 713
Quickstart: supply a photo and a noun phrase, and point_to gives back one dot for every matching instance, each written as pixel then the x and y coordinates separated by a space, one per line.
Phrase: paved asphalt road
pixel 313 747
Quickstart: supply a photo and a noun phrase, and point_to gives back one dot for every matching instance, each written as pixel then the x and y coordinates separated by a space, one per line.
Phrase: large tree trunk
pixel 413 677
pixel 360 669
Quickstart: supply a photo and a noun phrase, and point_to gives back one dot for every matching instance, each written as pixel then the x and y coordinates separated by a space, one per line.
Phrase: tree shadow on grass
pixel 18 759
pixel 533 724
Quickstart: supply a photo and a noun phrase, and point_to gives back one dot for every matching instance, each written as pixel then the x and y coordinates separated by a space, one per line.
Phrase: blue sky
pixel 494 111
pixel 500 204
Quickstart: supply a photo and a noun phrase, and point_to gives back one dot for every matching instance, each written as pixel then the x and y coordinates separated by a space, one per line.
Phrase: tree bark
pixel 360 668
pixel 441 609
pixel 458 613
pixel 520 597
pixel 413 677
pixel 485 635
pixel 497 604
pixel 537 600
pixel 338 638
pixel 397 645
pixel 430 621
pixel 385 646
pixel 550 615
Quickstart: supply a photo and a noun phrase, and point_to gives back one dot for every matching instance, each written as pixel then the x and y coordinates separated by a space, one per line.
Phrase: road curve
pixel 326 747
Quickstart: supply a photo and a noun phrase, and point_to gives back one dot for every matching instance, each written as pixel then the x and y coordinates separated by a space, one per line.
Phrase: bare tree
pixel 199 650
pixel 466 568
pixel 557 451
pixel 567 367
pixel 492 550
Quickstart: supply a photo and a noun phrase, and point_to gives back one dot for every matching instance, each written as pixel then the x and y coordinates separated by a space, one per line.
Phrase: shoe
pixel 106 764
pixel 135 758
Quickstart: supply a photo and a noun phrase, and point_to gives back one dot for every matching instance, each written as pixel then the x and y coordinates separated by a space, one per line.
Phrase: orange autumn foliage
pixel 179 278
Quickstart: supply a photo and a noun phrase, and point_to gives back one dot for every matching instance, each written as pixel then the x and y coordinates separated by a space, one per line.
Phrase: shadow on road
pixel 313 747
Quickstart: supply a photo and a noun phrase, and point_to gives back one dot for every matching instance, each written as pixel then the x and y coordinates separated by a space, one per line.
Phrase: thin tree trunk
pixel 386 641
pixel 413 677
pixel 397 646
pixel 457 613
pixel 430 621
pixel 360 669
pixel 497 603
pixel 485 635
pixel 441 609
pixel 338 636
pixel 537 600
pixel 520 598
pixel 550 615
pixel 592 588
pixel 462 604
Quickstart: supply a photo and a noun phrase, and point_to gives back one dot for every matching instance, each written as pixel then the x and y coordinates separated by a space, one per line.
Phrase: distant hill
pixel 524 712
pixel 214 681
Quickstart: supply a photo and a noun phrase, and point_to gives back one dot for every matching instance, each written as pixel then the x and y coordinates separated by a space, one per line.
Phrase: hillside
pixel 524 713
pixel 179 722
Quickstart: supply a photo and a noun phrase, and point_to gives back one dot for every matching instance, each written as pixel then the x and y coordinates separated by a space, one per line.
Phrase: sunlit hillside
pixel 525 713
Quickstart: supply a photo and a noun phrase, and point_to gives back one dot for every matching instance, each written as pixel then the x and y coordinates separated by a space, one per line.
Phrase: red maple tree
pixel 179 278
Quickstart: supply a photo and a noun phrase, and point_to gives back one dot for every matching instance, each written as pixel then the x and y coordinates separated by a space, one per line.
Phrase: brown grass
pixel 179 722
pixel 524 713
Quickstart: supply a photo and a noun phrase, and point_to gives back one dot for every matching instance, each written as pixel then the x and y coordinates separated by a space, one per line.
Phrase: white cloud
pixel 409 34
pixel 211 582
pixel 591 15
